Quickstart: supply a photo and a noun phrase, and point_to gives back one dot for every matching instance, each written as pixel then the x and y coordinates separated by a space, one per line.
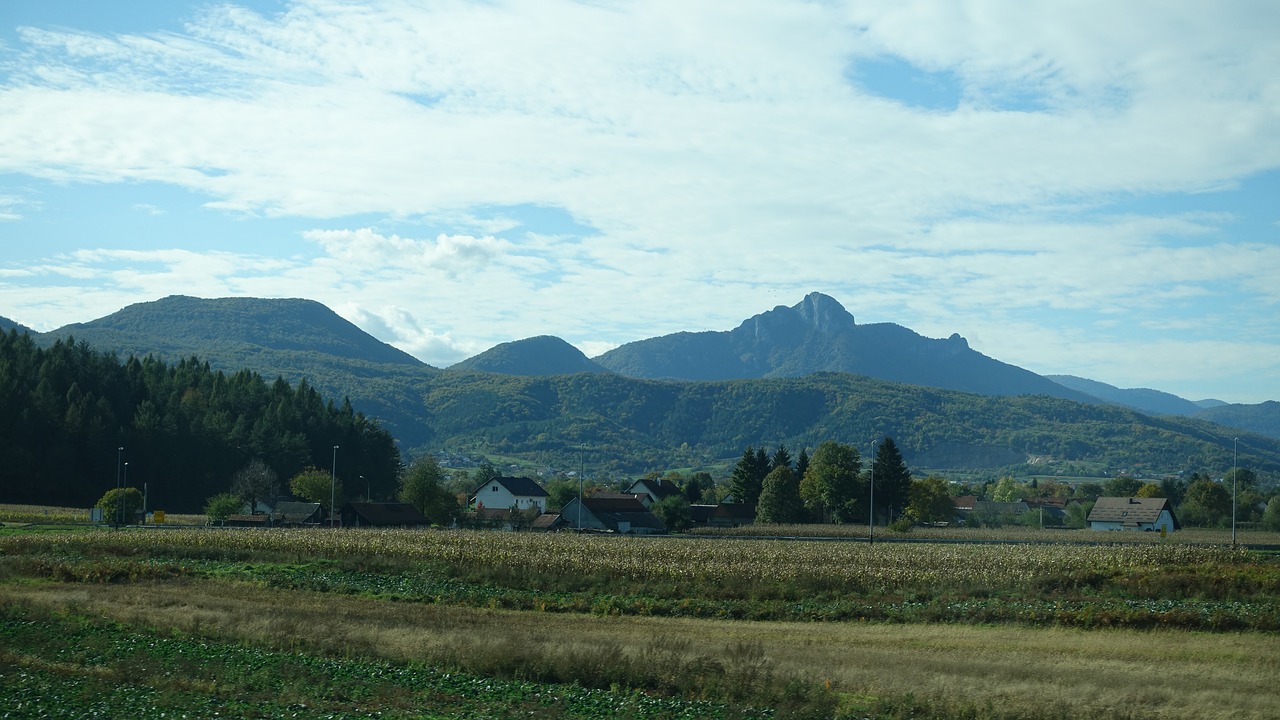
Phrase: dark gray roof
pixel 385 514
pixel 657 487
pixel 519 486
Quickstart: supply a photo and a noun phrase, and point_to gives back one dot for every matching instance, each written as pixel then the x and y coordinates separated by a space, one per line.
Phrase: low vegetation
pixel 322 623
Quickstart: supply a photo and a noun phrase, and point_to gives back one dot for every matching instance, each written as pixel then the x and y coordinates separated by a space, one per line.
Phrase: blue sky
pixel 1085 188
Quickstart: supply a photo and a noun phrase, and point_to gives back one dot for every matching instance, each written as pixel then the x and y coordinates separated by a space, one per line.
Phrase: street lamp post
pixel 123 487
pixel 333 484
pixel 1235 480
pixel 367 492
pixel 871 516
pixel 119 465
pixel 581 471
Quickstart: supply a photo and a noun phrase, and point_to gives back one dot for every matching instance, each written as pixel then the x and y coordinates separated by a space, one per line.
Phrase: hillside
pixel 542 355
pixel 634 425
pixel 288 338
pixel 819 335
pixel 1263 418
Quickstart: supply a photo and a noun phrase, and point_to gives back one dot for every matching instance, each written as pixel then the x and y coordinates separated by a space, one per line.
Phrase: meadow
pixel 362 622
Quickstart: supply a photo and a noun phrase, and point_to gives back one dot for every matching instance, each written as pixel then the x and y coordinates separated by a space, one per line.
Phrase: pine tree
pixel 892 479
pixel 748 476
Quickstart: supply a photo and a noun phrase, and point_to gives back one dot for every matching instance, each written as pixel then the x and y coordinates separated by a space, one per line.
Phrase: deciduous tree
pixel 931 500
pixel 255 481
pixel 423 487
pixel 780 497
pixel 317 486
pixel 833 483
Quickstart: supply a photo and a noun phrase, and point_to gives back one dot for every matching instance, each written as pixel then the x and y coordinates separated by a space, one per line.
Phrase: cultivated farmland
pixel 709 626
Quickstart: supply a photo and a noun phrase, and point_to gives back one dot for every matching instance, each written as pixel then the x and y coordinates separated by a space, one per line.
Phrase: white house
pixel 510 492
pixel 1133 513
pixel 653 491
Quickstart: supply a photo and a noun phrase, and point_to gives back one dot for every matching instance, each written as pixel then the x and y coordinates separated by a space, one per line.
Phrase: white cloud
pixel 720 154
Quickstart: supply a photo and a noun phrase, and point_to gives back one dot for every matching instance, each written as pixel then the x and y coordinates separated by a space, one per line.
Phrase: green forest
pixel 630 426
pixel 72 417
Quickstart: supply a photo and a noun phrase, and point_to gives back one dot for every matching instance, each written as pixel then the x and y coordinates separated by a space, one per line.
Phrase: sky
pixel 1084 188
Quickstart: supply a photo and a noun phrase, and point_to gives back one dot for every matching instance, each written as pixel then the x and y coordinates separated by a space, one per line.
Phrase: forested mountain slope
pixel 635 425
pixel 288 338
pixel 71 416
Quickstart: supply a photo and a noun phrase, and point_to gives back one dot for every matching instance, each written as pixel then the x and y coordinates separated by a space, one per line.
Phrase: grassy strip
pixel 846 670
pixel 72 667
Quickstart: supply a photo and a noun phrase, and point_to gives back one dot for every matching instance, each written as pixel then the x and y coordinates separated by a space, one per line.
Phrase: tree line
pixel 75 423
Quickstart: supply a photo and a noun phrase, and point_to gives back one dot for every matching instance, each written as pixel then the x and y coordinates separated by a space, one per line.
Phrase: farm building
pixel 1133 513
pixel 401 515
pixel 613 514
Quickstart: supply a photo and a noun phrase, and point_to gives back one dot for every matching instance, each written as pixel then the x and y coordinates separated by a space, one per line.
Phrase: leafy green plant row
pixel 55 666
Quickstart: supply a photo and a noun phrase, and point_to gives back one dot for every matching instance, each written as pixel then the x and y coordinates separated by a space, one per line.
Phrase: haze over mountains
pixel 791 374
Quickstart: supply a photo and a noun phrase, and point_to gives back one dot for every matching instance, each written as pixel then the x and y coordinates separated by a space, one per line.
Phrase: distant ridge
pixel 536 356
pixel 1152 402
pixel 819 335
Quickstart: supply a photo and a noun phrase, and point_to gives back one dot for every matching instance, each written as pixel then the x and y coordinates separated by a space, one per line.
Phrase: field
pixel 322 623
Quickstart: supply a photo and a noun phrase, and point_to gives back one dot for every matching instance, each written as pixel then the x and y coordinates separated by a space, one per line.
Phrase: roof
pixel 1131 510
pixel 546 521
pixel 614 510
pixel 519 486
pixel 964 502
pixel 990 506
pixel 734 511
pixel 613 503
pixel 297 512
pixel 657 487
pixel 386 514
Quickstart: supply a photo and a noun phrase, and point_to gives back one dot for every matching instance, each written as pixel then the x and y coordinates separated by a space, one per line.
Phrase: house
pixel 611 514
pixel 1133 513
pixel 653 491
pixel 505 493
pixel 394 514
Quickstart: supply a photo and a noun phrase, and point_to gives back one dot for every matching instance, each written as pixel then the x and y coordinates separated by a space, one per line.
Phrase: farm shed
pixel 1133 513
pixel 614 514
pixel 401 515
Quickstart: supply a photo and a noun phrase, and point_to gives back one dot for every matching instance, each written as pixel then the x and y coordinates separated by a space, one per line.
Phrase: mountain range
pixel 797 374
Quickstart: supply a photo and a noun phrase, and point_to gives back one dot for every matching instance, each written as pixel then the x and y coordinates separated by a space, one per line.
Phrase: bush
pixel 121 505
